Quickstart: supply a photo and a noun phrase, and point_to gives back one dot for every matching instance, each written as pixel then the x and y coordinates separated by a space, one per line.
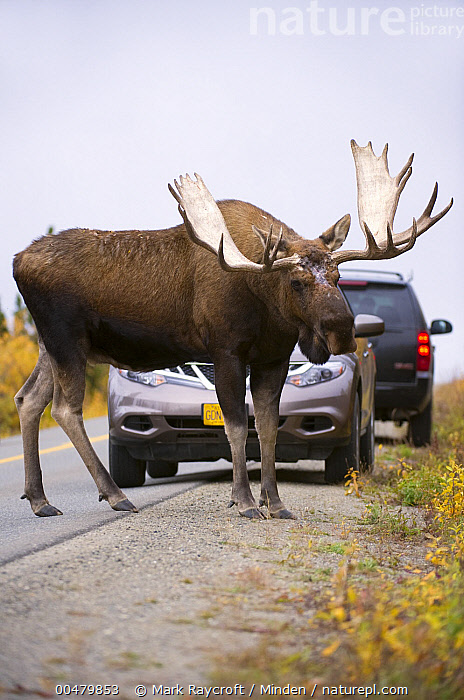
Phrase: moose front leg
pixel 230 387
pixel 266 387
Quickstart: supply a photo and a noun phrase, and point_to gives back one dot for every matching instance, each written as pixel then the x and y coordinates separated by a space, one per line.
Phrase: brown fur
pixel 150 299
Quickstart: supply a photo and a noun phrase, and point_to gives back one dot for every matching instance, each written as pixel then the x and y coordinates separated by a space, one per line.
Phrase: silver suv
pixel 160 418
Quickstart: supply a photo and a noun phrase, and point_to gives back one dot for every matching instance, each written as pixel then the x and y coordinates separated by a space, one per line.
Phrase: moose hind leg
pixel 266 387
pixel 68 396
pixel 31 401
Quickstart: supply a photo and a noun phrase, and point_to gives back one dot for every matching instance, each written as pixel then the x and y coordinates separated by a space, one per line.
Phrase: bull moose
pixel 145 300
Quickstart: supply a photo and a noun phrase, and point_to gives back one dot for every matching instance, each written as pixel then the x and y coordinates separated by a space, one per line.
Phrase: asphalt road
pixel 70 488
pixel 171 595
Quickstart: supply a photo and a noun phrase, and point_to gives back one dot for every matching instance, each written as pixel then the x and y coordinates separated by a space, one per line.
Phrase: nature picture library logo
pixel 318 19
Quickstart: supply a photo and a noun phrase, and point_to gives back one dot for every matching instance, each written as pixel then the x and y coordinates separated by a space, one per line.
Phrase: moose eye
pixel 297 285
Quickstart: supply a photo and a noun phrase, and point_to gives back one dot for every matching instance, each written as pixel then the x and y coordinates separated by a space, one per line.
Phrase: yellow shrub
pixel 18 355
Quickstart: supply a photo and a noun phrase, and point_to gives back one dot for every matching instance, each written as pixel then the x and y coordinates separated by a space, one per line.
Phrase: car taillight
pixel 423 352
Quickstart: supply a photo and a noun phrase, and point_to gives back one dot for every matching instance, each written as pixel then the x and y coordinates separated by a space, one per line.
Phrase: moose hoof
pixel 283 514
pixel 125 505
pixel 253 514
pixel 46 510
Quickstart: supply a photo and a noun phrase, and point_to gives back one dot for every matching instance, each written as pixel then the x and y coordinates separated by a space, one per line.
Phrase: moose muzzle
pixel 337 328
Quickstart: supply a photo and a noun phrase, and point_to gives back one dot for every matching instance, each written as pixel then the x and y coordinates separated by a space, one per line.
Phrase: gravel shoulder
pixel 174 594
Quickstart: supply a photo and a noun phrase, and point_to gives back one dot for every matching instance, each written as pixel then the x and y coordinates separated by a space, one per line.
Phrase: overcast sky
pixel 105 101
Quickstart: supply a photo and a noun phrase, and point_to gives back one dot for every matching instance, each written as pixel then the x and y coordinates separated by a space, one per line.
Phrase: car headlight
pixel 307 373
pixel 175 375
pixel 148 378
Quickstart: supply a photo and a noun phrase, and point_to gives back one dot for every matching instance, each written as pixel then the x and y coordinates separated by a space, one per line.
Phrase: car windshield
pixel 391 302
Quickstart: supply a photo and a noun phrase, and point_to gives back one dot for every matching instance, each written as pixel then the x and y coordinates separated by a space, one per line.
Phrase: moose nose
pixel 338 330
pixel 338 344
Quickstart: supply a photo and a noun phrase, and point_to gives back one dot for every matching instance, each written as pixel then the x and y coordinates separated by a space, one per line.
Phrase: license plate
pixel 212 414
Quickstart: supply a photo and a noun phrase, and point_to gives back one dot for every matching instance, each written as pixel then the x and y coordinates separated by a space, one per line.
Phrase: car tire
pixel 125 470
pixel 420 427
pixel 367 446
pixel 159 468
pixel 343 458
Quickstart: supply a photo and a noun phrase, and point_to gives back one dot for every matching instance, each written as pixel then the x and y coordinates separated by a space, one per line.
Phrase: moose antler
pixel 378 197
pixel 206 226
pixel 270 251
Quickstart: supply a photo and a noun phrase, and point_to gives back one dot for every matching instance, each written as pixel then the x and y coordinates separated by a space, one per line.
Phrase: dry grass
pixel 388 606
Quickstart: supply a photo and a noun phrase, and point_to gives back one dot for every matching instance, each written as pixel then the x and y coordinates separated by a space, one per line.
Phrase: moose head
pixel 310 267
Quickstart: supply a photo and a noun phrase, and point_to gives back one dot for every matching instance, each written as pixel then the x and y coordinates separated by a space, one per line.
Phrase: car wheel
pixel 367 446
pixel 125 470
pixel 346 457
pixel 420 427
pixel 158 468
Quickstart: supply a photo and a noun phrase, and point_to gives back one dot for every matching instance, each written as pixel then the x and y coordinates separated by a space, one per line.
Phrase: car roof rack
pixel 367 273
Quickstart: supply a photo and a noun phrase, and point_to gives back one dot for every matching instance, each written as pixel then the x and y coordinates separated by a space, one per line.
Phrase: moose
pixel 230 285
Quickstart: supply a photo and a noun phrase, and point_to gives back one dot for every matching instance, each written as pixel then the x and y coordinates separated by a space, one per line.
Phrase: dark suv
pixel 404 354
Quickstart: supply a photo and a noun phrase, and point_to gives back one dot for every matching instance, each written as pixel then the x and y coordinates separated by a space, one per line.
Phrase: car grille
pixel 194 426
pixel 186 369
pixel 314 424
pixel 203 372
pixel 139 423
pixel 207 370
pixel 194 423
pixel 183 423
pixel 196 435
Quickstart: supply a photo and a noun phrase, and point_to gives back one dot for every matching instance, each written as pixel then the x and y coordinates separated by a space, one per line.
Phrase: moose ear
pixel 335 236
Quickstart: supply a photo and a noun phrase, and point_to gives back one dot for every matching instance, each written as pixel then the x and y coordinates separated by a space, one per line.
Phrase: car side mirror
pixel 440 326
pixel 367 325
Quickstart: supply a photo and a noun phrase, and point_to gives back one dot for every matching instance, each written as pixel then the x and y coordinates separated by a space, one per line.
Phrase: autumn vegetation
pixel 409 629
pixel 18 355
pixel 390 611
